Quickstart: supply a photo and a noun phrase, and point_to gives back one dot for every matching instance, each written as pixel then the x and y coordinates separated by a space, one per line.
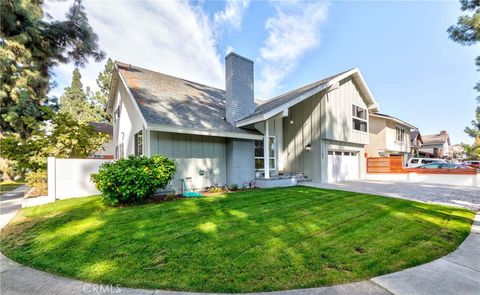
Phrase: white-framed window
pixel 119 151
pixel 399 133
pixel 116 114
pixel 359 118
pixel 138 143
pixel 259 154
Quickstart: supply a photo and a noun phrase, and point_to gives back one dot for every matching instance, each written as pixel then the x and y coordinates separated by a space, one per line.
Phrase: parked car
pixel 473 164
pixel 417 162
pixel 439 165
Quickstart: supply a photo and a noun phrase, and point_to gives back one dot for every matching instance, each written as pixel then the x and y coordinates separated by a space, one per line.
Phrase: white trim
pixel 207 132
pixel 358 118
pixel 274 157
pixel 330 85
pixel 266 152
pixel 130 95
pixel 398 121
pixel 282 108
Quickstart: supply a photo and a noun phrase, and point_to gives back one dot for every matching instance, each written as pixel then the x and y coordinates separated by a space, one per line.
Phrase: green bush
pixel 233 187
pixel 37 182
pixel 133 179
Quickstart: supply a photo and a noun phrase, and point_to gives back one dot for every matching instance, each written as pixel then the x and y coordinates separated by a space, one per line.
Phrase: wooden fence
pixel 391 164
pixel 394 164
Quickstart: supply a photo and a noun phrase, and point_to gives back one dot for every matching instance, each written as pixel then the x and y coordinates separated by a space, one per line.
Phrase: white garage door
pixel 342 166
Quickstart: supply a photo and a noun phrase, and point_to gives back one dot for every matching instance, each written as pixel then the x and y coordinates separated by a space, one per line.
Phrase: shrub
pixel 233 187
pixel 134 178
pixel 37 181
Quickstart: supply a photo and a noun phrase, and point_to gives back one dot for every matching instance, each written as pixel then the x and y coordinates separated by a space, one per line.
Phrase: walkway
pixel 10 203
pixel 457 273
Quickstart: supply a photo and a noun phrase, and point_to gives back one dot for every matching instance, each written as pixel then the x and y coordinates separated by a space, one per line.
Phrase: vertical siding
pixel 304 130
pixel 338 113
pixel 192 154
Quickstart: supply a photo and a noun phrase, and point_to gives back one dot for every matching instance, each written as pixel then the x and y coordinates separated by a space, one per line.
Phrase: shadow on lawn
pixel 279 239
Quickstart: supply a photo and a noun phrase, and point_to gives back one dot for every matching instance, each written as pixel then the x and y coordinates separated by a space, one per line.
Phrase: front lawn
pixel 259 240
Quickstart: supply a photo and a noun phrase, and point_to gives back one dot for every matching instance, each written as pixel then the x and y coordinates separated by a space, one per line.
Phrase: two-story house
pixel 389 136
pixel 222 137
pixel 436 144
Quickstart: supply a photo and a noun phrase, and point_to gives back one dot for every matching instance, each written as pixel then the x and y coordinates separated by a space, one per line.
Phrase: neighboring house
pixel 221 137
pixel 457 153
pixel 436 144
pixel 107 151
pixel 416 142
pixel 389 136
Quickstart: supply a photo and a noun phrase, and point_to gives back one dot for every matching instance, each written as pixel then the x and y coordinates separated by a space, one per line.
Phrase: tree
pixel 78 103
pixel 62 137
pixel 29 48
pixel 103 81
pixel 467 32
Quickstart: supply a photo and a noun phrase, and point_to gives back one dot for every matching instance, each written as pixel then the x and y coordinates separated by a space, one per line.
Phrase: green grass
pixel 6 186
pixel 260 240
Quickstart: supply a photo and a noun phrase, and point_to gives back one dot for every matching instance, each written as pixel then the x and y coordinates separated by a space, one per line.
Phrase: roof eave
pixel 205 132
pixel 332 84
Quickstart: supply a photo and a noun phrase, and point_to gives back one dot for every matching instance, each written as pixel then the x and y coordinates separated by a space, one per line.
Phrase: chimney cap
pixel 239 56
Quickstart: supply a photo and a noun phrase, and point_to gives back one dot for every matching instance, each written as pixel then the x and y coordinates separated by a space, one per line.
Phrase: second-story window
pixel 399 134
pixel 359 116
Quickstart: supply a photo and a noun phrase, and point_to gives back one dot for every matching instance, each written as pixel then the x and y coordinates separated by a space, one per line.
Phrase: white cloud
pixel 229 49
pixel 293 31
pixel 231 17
pixel 166 36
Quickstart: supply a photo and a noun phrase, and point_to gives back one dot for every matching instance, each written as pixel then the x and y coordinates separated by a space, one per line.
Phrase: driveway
pixel 467 197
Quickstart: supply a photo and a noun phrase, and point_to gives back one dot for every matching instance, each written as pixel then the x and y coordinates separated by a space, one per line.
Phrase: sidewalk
pixel 10 203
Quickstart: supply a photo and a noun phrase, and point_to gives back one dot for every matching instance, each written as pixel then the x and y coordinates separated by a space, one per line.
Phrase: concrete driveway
pixel 467 197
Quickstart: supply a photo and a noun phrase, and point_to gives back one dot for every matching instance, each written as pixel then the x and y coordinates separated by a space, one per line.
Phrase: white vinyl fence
pixel 70 178
pixel 447 179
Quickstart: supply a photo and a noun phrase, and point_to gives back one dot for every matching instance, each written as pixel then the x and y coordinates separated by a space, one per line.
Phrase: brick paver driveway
pixel 468 197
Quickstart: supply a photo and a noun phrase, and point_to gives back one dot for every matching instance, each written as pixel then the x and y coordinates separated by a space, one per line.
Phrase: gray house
pixel 217 136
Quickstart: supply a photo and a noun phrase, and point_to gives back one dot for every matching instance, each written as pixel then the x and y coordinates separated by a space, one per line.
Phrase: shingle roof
pixel 435 138
pixel 102 127
pixel 172 101
pixel 282 99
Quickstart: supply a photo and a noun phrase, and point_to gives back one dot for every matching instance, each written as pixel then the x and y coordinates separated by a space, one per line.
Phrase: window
pixel 119 151
pixel 116 114
pixel 138 139
pixel 359 115
pixel 399 134
pixel 414 161
pixel 259 160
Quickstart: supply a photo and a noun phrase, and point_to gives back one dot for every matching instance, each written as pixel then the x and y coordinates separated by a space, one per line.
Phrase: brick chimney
pixel 239 87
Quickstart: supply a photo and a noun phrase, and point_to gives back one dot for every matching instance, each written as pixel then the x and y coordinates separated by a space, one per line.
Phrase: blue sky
pixel 414 70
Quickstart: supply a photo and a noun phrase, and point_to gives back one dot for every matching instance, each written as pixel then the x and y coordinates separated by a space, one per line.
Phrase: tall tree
pixel 467 32
pixel 78 103
pixel 30 47
pixel 103 81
